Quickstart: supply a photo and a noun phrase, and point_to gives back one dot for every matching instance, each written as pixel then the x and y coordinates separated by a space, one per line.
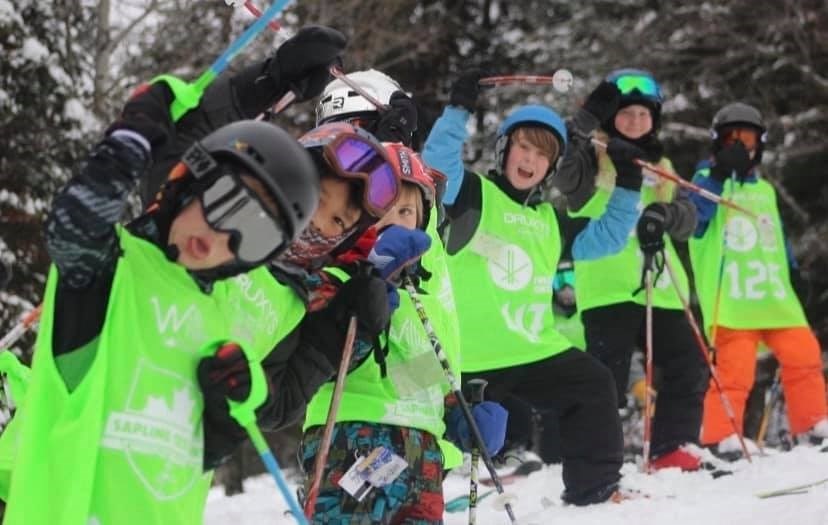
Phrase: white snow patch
pixel 34 51
pixel 8 14
pixel 673 497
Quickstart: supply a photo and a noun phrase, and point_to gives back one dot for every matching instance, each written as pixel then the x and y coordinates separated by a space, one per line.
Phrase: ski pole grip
pixel 477 386
pixel 244 412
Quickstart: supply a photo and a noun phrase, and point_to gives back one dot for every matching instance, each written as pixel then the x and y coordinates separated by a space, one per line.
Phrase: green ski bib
pixel 502 283
pixel 744 263
pixel 614 278
pixel 125 446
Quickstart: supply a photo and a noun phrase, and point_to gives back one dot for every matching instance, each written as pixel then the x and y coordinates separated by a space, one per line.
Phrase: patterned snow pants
pixel 414 498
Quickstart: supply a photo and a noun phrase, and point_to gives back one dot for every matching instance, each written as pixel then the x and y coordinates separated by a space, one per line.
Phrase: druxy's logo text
pixel 528 222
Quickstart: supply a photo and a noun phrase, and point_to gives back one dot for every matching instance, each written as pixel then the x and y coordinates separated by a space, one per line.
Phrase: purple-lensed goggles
pixel 353 153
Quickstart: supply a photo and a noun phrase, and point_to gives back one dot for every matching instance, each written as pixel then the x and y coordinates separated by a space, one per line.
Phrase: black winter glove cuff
pixel 147 113
pixel 302 62
pixel 399 122
pixel 603 102
pixel 363 296
pixel 628 173
pixel 466 89
pixel 732 158
pixel 651 227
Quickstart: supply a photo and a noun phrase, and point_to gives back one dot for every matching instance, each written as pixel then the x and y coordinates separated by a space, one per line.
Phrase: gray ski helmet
pixel 735 114
pixel 739 114
pixel 273 157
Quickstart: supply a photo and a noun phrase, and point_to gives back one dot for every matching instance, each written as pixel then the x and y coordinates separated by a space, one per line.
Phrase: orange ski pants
pixel 798 353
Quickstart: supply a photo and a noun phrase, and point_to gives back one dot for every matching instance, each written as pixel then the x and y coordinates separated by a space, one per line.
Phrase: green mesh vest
pixel 746 260
pixel 502 283
pixel 614 278
pixel 125 445
pixel 411 395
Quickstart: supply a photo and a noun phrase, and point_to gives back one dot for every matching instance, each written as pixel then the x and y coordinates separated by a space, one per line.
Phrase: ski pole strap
pixel 185 93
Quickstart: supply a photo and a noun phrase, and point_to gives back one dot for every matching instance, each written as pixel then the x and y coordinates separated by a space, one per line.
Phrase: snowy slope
pixel 675 498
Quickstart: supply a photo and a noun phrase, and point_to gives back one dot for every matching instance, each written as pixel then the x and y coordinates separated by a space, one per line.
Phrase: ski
pixel 521 471
pixel 789 491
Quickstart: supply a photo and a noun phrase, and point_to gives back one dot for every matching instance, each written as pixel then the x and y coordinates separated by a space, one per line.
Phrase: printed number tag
pixel 378 469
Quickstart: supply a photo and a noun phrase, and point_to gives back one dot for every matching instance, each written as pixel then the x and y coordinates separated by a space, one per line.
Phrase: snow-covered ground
pixel 673 498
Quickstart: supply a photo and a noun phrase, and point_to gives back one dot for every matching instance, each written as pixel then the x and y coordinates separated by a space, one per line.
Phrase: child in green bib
pixel 743 267
pixel 504 245
pixel 111 427
pixel 394 395
pixel 610 296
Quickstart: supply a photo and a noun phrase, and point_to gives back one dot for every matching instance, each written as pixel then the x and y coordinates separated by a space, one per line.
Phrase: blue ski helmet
pixel 531 115
pixel 637 86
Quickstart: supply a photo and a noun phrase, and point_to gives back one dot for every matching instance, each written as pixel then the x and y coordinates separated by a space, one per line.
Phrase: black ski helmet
pixel 637 86
pixel 273 157
pixel 738 114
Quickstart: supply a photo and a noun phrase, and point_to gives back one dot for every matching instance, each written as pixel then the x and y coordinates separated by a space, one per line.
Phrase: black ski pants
pixel 612 334
pixel 581 390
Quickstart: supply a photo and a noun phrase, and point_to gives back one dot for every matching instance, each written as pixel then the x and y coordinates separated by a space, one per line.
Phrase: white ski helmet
pixel 340 102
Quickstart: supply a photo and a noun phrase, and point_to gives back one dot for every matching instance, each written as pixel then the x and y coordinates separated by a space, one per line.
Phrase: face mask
pixel 311 246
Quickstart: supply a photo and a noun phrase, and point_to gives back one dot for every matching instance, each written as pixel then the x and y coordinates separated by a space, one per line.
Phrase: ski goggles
pixel 230 206
pixel 747 136
pixel 563 279
pixel 645 84
pixel 355 156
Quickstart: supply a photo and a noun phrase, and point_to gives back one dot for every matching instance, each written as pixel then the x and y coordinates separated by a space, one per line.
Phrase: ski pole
pixel 648 359
pixel 20 328
pixel 478 386
pixel 339 75
pixel 288 98
pixel 709 195
pixel 255 11
pixel 458 392
pixel 244 413
pixel 694 326
pixel 714 327
pixel 771 397
pixel 187 96
pixel 327 434
pixel 561 80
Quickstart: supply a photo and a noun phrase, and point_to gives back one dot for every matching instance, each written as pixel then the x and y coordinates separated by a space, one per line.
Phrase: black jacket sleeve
pixel 575 177
pixel 81 239
pixel 296 369
pixel 682 217
pixel 229 98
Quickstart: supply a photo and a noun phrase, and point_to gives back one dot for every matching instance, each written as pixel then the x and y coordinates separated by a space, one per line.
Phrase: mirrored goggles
pixel 747 136
pixel 645 84
pixel 230 206
pixel 353 156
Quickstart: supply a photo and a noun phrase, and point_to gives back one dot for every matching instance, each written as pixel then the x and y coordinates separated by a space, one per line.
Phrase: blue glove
pixel 396 248
pixel 491 420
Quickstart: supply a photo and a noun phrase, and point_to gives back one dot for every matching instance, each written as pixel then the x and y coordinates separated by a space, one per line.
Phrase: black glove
pixel 363 296
pixel 734 157
pixel 651 227
pixel 622 153
pixel 466 89
pixel 224 375
pixel 399 123
pixel 303 60
pixel 603 102
pixel 147 112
